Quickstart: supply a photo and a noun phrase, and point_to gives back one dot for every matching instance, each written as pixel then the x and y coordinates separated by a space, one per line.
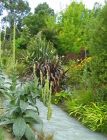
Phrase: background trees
pixel 37 22
pixel 17 10
pixel 76 28
pixel 73 28
pixel 98 51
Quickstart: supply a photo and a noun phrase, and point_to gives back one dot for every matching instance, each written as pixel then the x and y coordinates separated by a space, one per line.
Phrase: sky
pixel 59 5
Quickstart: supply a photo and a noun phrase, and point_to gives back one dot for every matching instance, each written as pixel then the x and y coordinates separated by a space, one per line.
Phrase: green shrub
pixel 83 96
pixel 8 65
pixel 101 93
pixel 74 74
pixel 60 97
pixel 20 67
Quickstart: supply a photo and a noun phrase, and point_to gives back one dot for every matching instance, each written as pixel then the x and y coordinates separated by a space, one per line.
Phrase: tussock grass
pixel 43 136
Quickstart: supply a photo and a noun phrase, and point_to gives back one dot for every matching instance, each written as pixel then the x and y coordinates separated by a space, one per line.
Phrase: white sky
pixel 59 5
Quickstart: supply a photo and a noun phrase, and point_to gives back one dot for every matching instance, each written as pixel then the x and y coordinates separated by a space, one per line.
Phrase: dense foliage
pixel 77 39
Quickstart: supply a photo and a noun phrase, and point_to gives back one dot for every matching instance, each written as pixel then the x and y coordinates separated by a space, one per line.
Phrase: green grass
pixel 91 113
pixel 95 116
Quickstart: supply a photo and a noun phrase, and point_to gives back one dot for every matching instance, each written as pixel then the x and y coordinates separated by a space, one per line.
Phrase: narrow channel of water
pixel 64 127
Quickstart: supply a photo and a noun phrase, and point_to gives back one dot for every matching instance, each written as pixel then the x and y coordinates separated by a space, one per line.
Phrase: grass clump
pixel 43 136
pixel 95 117
pixel 91 113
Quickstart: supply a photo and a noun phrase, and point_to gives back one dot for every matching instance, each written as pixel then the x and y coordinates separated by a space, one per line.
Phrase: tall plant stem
pixel 0 48
pixel 14 50
pixel 5 29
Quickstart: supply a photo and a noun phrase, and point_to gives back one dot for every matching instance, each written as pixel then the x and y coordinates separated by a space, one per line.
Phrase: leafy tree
pixel 17 9
pixel 1 8
pixel 100 41
pixel 42 20
pixel 51 31
pixel 73 30
pixel 98 51
pixel 37 22
pixel 44 9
